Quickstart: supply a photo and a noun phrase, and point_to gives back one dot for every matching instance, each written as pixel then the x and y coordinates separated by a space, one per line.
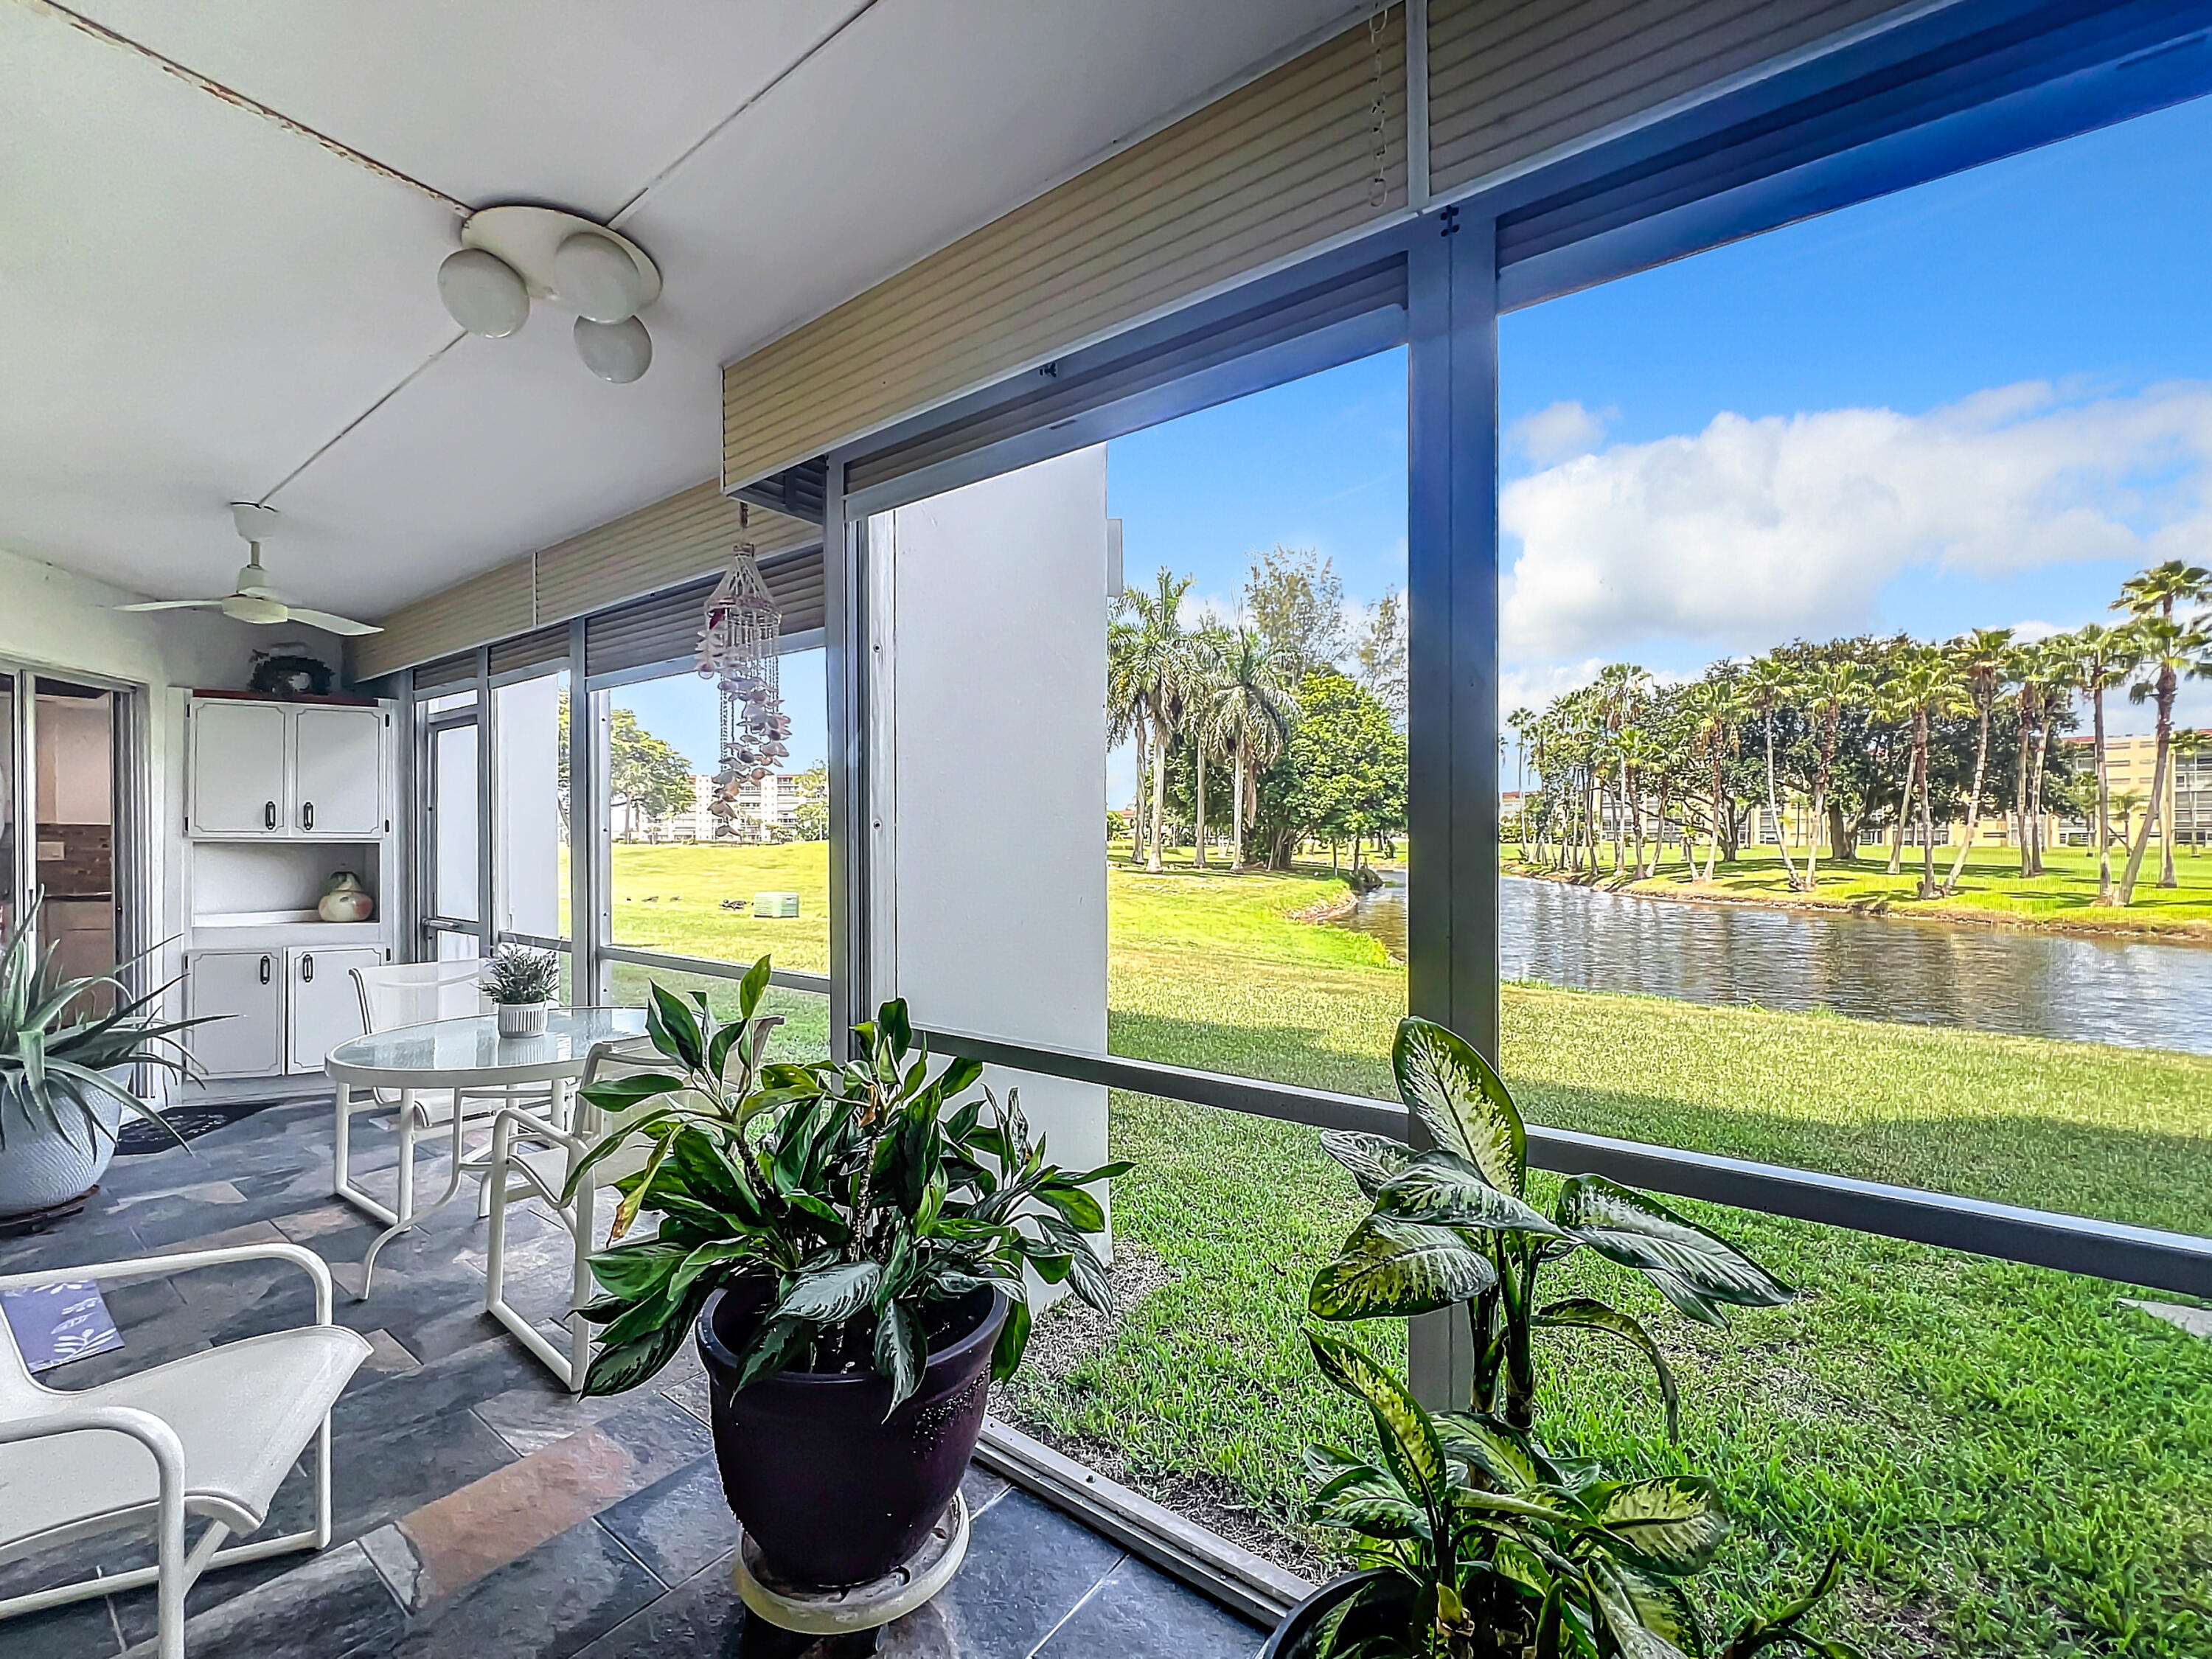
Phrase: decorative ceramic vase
pixel 522 1019
pixel 344 899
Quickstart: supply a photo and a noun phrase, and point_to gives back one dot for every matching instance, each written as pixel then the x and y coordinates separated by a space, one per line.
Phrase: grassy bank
pixel 1991 888
pixel 2020 1464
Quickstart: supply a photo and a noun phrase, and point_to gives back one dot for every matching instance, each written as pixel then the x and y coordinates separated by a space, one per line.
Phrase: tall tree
pixel 2150 596
pixel 1379 652
pixel 1835 684
pixel 1208 674
pixel 1718 718
pixel 1249 712
pixel 1980 657
pixel 1159 662
pixel 646 776
pixel 1128 713
pixel 1769 684
pixel 1929 687
pixel 1344 773
pixel 2103 658
pixel 1293 598
pixel 2170 654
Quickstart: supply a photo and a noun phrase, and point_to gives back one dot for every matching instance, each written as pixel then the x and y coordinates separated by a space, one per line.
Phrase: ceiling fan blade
pixel 330 624
pixel 171 605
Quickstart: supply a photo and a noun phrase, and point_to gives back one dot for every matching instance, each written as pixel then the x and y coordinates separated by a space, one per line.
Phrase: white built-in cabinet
pixel 277 797
pixel 285 770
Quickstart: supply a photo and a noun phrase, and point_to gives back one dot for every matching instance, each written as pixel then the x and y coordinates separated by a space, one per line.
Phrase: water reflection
pixel 1991 979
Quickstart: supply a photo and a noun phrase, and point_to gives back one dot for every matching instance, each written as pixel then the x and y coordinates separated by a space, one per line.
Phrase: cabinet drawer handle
pixel 306 971
pixel 307 815
pixel 269 815
pixel 264 970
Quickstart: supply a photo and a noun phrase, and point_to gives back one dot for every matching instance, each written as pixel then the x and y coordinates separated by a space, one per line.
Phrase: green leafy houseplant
pixel 857 1200
pixel 59 1049
pixel 517 975
pixel 1488 1544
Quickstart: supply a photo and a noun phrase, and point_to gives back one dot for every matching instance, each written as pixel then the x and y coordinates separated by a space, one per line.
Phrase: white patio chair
pixel 529 1160
pixel 416 994
pixel 210 1436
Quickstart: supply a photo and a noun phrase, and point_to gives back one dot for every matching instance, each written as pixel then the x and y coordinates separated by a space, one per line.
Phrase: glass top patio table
pixel 466 1054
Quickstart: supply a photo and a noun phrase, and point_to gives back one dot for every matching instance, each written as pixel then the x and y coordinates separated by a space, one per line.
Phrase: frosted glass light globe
pixel 483 293
pixel 595 277
pixel 614 351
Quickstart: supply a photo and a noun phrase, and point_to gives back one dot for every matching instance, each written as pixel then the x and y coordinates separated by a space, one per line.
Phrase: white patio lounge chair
pixel 416 994
pixel 210 1436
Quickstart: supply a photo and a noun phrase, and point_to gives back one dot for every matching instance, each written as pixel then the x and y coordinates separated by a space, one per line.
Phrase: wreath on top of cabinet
pixel 279 674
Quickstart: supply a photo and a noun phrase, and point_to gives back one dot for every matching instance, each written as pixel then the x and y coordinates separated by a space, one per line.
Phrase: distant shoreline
pixel 1960 911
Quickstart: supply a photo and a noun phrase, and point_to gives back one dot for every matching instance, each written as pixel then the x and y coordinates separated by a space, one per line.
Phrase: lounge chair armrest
pixel 523 1126
pixel 161 1266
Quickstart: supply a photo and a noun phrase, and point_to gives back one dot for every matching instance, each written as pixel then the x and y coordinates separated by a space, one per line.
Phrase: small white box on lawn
pixel 784 905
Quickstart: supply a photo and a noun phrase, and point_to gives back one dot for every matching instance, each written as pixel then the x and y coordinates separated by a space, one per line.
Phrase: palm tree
pixel 1127 711
pixel 1207 648
pixel 1522 722
pixel 1621 688
pixel 2171 654
pixel 1771 684
pixel 1928 685
pixel 2148 598
pixel 2044 674
pixel 1159 662
pixel 1717 713
pixel 1249 712
pixel 1980 658
pixel 2126 803
pixel 1833 686
pixel 2103 658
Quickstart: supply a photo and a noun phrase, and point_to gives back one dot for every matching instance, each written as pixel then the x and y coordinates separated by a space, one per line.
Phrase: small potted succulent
pixel 1480 1541
pixel 851 1247
pixel 522 984
pixel 67 1049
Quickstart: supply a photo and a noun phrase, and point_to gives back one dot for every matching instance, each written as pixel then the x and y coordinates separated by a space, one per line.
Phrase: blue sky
pixel 1982 401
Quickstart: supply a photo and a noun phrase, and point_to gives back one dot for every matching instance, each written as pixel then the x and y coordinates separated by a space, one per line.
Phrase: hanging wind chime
pixel 737 649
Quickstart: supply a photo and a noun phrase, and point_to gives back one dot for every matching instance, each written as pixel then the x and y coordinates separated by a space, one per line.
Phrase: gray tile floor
pixel 481 1511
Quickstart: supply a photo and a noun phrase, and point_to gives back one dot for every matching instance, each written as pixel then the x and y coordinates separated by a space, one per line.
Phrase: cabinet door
pixel 245 988
pixel 325 1008
pixel 238 768
pixel 337 785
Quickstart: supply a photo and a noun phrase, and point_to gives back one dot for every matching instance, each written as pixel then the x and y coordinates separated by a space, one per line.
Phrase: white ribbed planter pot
pixel 39 1168
pixel 522 1019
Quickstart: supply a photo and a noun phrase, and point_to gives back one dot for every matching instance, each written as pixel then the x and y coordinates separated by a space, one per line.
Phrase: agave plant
pixel 860 1199
pixel 1453 1226
pixel 1490 1547
pixel 56 1049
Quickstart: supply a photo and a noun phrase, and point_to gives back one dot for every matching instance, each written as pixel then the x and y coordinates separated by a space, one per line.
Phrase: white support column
pixel 988 620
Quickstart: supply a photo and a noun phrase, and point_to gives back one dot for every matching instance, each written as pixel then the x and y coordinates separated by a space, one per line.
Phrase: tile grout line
pixel 1081 1602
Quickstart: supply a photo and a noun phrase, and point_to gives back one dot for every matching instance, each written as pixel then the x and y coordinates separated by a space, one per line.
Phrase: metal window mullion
pixel 845 664
pixel 1452 675
pixel 488 861
pixel 588 829
pixel 790 978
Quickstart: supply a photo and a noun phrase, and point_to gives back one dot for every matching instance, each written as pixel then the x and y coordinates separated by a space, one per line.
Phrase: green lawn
pixel 1990 889
pixel 2018 1464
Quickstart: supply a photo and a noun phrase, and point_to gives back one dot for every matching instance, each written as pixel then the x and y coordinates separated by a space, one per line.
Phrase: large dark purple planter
pixel 832 1491
pixel 1294 1636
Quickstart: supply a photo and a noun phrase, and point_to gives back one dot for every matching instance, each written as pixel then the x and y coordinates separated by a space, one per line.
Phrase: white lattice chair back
pixel 625 1057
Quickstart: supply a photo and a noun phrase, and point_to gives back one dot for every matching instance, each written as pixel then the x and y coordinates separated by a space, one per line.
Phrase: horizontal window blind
pixel 663 629
pixel 536 652
pixel 1268 171
pixel 1511 80
pixel 443 674
pixel 682 536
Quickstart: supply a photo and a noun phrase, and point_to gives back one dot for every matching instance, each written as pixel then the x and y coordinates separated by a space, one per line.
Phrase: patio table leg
pixel 409 1214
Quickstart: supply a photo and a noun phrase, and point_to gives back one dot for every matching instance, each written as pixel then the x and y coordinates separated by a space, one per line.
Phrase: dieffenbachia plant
pixel 1453 1226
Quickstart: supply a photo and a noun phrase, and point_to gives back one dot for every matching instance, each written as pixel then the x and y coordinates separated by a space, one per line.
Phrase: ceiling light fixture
pixel 510 256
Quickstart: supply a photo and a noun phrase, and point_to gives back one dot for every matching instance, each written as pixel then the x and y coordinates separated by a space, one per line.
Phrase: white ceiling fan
pixel 254 600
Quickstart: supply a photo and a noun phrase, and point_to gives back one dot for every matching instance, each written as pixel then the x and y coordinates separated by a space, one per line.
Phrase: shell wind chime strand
pixel 737 649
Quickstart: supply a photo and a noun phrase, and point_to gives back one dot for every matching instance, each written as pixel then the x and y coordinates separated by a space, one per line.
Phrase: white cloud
pixel 1752 530
pixel 1528 686
pixel 1557 433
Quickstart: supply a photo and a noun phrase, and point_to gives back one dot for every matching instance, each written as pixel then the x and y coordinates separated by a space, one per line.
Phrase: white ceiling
pixel 195 302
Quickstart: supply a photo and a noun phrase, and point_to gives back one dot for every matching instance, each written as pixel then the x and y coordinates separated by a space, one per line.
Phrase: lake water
pixel 1928 973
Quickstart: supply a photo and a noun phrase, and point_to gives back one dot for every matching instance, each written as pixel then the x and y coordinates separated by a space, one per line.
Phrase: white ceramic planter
pixel 523 1019
pixel 40 1168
